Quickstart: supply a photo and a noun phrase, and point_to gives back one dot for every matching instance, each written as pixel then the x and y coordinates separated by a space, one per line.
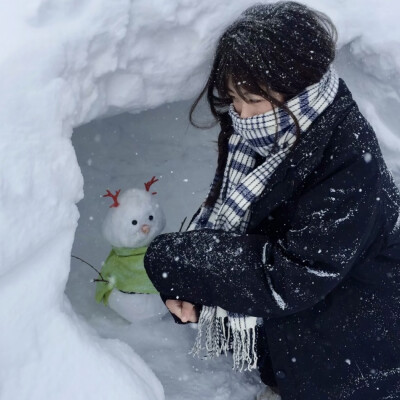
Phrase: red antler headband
pixel 149 183
pixel 114 197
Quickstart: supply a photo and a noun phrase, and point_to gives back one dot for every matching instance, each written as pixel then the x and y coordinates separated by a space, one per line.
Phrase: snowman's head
pixel 135 222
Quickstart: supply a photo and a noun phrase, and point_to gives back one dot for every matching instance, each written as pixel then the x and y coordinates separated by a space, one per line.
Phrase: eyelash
pixel 249 101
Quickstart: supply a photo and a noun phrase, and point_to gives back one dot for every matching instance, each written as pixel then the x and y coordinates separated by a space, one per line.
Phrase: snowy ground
pixel 125 151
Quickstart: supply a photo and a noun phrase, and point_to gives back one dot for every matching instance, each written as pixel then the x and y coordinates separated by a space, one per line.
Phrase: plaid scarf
pixel 271 136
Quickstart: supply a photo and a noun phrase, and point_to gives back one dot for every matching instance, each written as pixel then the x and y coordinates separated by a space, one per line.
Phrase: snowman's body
pixel 136 307
pixel 134 220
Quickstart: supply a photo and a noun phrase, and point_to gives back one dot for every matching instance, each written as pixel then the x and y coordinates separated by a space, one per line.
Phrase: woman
pixel 294 257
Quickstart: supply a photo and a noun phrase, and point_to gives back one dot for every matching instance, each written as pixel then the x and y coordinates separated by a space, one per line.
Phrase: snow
pixel 322 274
pixel 279 301
pixel 264 253
pixel 68 62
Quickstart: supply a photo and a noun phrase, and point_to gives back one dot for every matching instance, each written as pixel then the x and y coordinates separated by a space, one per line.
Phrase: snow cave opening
pixel 125 151
pixel 122 152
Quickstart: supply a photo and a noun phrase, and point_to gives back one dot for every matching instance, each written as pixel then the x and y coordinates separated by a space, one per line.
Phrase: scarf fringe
pixel 217 334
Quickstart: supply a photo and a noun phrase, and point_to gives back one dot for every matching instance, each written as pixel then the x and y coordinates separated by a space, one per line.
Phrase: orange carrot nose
pixel 145 229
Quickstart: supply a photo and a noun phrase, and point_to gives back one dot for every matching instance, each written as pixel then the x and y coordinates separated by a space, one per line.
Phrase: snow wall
pixel 66 62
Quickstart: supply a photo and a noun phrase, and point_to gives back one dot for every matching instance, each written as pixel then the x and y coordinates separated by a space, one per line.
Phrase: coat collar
pixel 303 159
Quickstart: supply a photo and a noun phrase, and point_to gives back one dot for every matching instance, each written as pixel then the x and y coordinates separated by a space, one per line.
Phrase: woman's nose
pixel 246 111
pixel 145 229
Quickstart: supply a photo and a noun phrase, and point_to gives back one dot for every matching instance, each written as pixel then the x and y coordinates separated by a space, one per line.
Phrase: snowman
pixel 132 222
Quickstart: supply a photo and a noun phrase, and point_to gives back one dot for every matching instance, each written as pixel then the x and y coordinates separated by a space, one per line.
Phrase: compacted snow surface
pixel 66 63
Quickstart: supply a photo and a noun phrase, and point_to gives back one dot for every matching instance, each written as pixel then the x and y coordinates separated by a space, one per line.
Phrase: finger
pixel 173 303
pixel 175 307
pixel 189 317
pixel 188 312
pixel 186 309
pixel 193 316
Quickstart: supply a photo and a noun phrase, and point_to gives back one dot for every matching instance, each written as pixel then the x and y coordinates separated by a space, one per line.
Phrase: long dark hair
pixel 279 47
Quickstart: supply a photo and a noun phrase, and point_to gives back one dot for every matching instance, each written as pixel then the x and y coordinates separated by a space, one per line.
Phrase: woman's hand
pixel 182 309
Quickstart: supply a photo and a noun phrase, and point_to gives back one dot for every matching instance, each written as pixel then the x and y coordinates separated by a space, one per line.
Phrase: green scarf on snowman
pixel 124 270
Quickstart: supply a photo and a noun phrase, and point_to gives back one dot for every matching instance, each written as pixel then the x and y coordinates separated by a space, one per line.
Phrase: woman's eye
pixel 134 222
pixel 151 218
pixel 255 101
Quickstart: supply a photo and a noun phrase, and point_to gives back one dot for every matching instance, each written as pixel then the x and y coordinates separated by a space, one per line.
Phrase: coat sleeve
pixel 248 274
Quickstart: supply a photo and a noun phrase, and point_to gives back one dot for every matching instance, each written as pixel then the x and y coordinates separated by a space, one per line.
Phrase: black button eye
pixel 151 218
pixel 134 222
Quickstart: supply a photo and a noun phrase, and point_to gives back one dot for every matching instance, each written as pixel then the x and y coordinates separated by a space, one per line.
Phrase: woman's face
pixel 253 105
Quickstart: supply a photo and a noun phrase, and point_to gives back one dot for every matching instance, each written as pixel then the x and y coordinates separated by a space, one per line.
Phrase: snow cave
pixel 96 96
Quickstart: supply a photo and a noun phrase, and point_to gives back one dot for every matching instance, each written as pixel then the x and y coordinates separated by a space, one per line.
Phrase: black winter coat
pixel 320 264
